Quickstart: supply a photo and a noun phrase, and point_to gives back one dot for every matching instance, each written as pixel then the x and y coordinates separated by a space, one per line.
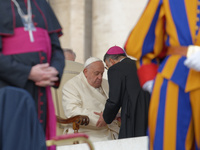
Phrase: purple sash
pixel 14 45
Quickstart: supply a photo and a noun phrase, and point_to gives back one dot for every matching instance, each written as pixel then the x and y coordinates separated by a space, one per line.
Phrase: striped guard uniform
pixel 174 113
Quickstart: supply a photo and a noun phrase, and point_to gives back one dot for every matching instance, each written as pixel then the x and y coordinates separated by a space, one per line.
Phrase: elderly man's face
pixel 94 73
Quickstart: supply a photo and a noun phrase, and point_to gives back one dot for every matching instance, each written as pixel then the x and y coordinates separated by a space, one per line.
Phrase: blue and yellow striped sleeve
pixel 146 40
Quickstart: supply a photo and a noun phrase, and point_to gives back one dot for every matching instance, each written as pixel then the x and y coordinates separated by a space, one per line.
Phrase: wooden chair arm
pixel 79 119
pixel 76 120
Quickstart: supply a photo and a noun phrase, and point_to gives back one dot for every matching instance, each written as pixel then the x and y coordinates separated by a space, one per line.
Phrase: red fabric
pixel 147 72
pixel 51 119
pixel 57 83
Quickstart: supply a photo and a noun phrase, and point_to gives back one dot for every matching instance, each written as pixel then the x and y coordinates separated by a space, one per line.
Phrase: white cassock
pixel 80 98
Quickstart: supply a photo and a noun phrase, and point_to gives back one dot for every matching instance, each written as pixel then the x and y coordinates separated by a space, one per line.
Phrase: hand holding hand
pixel 100 122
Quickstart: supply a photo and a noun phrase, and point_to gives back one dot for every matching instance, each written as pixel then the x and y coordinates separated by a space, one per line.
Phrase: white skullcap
pixel 91 60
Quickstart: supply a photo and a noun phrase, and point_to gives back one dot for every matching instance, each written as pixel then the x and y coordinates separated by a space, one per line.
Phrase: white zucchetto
pixel 91 60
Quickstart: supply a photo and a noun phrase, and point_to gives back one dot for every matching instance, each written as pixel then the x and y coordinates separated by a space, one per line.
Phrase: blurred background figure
pixel 69 54
pixel 30 54
pixel 20 128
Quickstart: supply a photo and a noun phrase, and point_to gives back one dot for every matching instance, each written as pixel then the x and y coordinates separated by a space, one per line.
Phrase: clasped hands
pixel 43 75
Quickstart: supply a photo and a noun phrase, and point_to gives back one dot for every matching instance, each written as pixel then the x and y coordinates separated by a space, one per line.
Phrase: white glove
pixel 192 49
pixel 193 61
pixel 148 86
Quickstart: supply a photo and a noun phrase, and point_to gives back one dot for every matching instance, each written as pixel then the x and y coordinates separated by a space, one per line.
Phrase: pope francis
pixel 86 94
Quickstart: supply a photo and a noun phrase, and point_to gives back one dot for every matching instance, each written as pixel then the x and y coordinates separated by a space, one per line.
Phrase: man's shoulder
pixel 73 81
pixel 125 63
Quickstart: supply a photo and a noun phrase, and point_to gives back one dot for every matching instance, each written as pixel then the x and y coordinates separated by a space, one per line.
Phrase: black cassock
pixel 15 69
pixel 126 93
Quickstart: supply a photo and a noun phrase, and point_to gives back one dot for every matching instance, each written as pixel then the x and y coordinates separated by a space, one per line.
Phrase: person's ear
pixel 85 72
pixel 111 61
